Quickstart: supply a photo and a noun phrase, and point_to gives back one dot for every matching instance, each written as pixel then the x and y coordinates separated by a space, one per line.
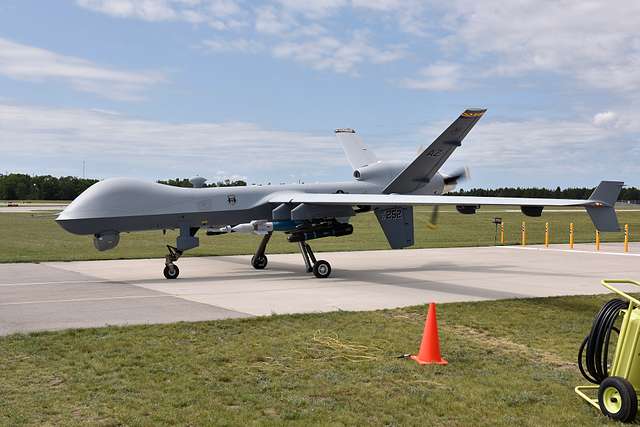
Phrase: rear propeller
pixel 433 222
pixel 450 182
pixel 456 177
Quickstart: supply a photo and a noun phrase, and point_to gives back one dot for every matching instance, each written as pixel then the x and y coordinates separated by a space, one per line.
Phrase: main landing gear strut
pixel 320 268
pixel 259 260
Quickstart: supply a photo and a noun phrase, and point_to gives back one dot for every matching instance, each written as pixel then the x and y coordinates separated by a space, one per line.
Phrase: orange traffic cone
pixel 430 347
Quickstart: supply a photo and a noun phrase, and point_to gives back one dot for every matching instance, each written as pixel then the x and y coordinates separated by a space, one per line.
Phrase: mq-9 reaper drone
pixel 305 211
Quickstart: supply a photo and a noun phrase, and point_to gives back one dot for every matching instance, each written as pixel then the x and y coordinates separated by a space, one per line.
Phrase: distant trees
pixel 46 187
pixel 184 182
pixel 17 186
pixel 628 193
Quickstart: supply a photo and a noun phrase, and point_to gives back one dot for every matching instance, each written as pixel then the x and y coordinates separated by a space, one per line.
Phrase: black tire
pixel 618 399
pixel 321 269
pixel 171 272
pixel 260 262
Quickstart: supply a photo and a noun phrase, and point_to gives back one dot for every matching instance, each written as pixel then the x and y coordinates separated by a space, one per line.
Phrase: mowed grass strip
pixel 36 237
pixel 510 363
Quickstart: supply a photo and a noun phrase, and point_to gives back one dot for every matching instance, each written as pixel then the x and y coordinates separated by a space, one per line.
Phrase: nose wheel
pixel 171 271
pixel 320 268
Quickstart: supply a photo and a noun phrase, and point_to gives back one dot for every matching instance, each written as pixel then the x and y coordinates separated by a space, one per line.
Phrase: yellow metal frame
pixel 633 303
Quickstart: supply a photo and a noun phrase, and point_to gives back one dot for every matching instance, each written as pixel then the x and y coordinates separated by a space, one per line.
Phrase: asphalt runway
pixel 60 295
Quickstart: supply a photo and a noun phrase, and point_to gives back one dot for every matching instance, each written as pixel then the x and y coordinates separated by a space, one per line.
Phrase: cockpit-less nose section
pixel 305 212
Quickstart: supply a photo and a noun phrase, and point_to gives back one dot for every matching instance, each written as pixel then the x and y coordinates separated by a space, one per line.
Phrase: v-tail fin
pixel 357 153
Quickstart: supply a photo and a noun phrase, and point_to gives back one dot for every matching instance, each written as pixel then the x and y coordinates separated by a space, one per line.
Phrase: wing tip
pixel 473 112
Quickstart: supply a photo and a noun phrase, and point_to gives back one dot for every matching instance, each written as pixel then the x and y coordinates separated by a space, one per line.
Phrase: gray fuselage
pixel 126 204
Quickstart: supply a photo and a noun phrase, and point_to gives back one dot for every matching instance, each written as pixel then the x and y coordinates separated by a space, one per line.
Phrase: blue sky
pixel 232 88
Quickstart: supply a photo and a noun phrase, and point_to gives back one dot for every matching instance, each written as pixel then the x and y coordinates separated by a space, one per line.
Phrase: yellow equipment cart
pixel 617 389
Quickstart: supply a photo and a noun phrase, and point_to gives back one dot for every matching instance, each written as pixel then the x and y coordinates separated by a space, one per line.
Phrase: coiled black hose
pixel 596 345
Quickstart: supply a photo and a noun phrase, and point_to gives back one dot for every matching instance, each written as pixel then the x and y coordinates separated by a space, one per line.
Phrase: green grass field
pixel 36 237
pixel 510 363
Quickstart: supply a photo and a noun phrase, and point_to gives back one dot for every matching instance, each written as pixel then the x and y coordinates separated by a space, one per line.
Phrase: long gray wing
pixel 425 166
pixel 600 204
pixel 408 200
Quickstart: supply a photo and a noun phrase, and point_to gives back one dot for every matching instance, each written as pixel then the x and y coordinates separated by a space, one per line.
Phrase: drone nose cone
pixel 67 224
pixel 65 215
pixel 102 200
pixel 69 220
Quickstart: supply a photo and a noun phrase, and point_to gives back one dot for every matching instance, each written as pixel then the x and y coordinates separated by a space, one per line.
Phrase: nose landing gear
pixel 171 271
pixel 186 240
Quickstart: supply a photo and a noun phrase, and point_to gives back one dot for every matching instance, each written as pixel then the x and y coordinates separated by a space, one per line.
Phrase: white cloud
pixel 115 144
pixel 225 8
pixel 232 45
pixel 291 29
pixel 314 8
pixel 218 14
pixel 592 41
pixel 545 151
pixel 409 15
pixel 380 5
pixel 436 77
pixel 605 118
pixel 529 152
pixel 148 10
pixel 330 53
pixel 271 21
pixel 23 62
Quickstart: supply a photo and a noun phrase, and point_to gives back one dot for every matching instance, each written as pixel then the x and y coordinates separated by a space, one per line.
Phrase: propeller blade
pixel 433 222
pixel 457 176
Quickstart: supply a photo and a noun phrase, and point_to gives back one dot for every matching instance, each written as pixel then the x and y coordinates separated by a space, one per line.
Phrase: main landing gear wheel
pixel 321 269
pixel 618 399
pixel 259 262
pixel 171 271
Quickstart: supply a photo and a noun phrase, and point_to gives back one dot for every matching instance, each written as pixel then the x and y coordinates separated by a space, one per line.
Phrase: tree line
pixel 46 187
pixel 184 182
pixel 627 193
pixel 16 186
